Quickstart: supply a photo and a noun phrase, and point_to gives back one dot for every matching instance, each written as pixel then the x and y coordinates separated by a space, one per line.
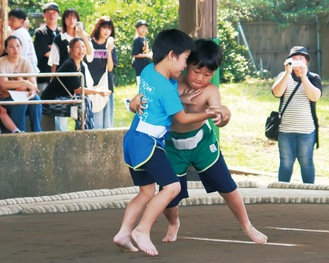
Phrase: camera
pixel 293 63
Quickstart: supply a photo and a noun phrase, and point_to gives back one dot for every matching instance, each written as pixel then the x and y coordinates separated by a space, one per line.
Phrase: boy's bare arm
pixel 223 118
pixel 136 104
pixel 188 118
pixel 214 101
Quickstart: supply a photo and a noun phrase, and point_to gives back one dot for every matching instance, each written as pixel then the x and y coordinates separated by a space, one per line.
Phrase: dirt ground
pixel 87 236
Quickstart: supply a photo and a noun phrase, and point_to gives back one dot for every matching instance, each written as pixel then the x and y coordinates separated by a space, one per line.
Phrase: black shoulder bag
pixel 273 122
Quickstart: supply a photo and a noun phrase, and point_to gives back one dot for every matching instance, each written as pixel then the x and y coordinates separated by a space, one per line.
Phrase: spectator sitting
pixel 11 63
pixel 7 122
pixel 65 88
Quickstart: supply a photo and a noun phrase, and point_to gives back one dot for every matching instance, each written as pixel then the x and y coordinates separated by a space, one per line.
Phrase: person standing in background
pixel 59 51
pixel 26 24
pixel 43 40
pixel 16 18
pixel 101 68
pixel 141 53
pixel 298 132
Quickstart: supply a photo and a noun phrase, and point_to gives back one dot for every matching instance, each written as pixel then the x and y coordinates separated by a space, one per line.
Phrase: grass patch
pixel 243 142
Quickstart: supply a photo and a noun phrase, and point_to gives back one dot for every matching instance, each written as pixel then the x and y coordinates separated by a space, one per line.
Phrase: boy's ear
pixel 171 55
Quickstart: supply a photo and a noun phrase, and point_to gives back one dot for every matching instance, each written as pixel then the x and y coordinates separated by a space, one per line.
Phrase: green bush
pixel 160 15
pixel 235 66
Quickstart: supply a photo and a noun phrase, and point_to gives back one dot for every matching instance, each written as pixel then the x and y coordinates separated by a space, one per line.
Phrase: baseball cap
pixel 51 6
pixel 299 50
pixel 141 23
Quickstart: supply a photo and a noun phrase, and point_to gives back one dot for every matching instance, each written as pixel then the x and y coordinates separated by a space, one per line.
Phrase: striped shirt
pixel 297 117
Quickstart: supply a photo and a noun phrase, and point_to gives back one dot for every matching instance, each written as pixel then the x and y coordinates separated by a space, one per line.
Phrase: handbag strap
pixel 289 99
pixel 72 97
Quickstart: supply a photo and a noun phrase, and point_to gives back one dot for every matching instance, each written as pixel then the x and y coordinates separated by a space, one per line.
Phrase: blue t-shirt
pixel 161 95
pixel 163 103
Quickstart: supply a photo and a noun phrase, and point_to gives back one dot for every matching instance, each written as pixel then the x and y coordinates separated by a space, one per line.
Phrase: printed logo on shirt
pixel 213 148
pixel 100 53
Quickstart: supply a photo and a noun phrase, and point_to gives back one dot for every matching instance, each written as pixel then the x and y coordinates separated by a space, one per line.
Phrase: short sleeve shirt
pixel 161 95
pixel 24 66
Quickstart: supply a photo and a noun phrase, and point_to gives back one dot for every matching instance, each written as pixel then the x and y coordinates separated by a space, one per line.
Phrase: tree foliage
pixel 163 14
pixel 160 14
pixel 281 11
pixel 235 66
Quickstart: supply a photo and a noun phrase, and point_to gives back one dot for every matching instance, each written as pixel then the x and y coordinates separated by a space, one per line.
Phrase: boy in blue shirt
pixel 144 142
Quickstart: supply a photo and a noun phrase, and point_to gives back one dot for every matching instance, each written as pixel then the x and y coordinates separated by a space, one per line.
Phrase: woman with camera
pixel 298 132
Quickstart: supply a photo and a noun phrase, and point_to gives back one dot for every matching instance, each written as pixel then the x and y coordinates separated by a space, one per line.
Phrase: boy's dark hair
pixel 17 12
pixel 171 40
pixel 207 54
pixel 66 13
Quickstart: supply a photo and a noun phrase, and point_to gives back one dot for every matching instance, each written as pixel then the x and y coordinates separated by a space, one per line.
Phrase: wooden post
pixel 198 18
pixel 3 23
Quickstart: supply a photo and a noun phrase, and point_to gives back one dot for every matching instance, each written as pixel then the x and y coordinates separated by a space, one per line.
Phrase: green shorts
pixel 203 156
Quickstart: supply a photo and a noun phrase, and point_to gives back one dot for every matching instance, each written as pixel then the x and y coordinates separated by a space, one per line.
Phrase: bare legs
pixel 173 218
pixel 236 205
pixel 154 206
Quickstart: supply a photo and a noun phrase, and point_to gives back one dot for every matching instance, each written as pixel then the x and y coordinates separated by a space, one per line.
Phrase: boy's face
pixel 142 30
pixel 198 78
pixel 15 22
pixel 179 64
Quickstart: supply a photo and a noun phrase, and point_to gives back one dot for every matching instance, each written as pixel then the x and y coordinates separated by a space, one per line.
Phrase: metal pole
pixel 64 74
pixel 246 43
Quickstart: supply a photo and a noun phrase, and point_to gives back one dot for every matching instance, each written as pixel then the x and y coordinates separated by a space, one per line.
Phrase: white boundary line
pixel 240 241
pixel 299 229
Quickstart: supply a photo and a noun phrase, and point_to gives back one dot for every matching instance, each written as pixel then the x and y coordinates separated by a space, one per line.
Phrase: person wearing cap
pixel 16 18
pixel 141 53
pixel 43 40
pixel 298 132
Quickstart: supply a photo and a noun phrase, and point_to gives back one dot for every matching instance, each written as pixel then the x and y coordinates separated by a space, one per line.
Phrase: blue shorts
pixel 216 178
pixel 156 170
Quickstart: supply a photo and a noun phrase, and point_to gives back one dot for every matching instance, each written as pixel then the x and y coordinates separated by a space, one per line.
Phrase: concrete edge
pixel 298 186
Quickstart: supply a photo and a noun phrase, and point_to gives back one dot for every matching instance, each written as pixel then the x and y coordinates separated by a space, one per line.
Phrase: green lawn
pixel 243 142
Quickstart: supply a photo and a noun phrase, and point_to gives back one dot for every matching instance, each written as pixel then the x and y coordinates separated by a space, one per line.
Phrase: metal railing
pixel 63 74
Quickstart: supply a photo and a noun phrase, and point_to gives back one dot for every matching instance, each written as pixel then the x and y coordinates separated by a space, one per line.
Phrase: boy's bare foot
pixel 172 232
pixel 255 235
pixel 144 243
pixel 124 243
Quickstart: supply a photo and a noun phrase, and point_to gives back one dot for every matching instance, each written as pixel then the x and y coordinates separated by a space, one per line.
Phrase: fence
pixel 269 43
pixel 65 74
